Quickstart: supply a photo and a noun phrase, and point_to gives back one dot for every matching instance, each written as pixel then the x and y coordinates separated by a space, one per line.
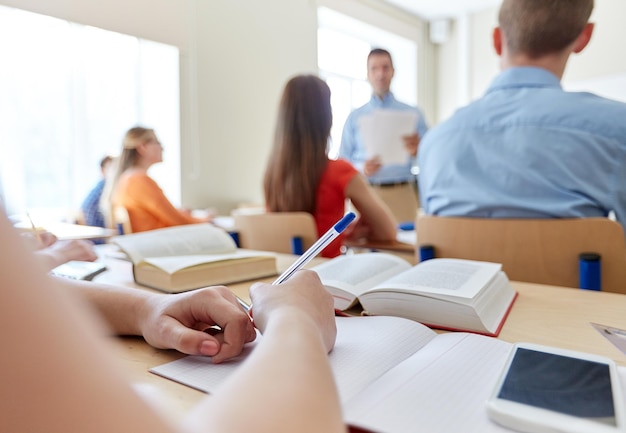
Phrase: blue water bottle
pixel 589 267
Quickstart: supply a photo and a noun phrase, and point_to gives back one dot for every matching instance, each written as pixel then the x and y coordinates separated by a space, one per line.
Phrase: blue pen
pixel 317 247
pixel 313 251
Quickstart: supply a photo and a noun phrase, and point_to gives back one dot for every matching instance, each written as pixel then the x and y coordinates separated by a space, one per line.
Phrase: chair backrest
pixel 541 251
pixel 275 231
pixel 121 220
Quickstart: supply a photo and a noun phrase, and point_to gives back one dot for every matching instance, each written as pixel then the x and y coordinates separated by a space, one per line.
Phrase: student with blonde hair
pixel 133 189
pixel 300 177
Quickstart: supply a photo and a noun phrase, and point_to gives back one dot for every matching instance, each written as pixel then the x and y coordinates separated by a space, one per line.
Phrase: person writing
pixel 133 189
pixel 527 148
pixel 299 176
pixel 395 183
pixel 296 319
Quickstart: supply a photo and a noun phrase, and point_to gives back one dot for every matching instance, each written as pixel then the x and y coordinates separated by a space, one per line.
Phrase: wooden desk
pixel 403 246
pixel 542 314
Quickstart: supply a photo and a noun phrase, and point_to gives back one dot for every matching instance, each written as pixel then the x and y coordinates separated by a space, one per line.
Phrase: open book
pixel 393 375
pixel 451 294
pixel 181 258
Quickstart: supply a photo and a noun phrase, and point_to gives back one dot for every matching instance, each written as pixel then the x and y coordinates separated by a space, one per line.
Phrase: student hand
pixel 44 240
pixel 372 166
pixel 411 143
pixel 75 249
pixel 360 229
pixel 63 251
pixel 302 293
pixel 178 322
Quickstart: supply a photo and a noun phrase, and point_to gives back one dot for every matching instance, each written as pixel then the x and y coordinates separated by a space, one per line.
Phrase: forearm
pixel 121 308
pixel 289 372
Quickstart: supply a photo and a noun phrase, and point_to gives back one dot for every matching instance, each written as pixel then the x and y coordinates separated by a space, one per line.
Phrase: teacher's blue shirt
pixel 353 149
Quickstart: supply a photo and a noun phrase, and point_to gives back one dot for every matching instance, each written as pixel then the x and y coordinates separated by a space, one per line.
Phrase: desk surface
pixel 541 314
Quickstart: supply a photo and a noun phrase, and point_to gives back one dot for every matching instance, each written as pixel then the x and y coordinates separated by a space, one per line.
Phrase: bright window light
pixel 343 45
pixel 70 92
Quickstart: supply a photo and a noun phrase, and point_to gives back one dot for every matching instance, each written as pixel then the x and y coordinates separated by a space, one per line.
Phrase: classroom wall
pixel 598 66
pixel 235 58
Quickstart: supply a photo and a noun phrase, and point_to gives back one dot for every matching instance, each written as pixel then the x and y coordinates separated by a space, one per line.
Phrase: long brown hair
pixel 299 155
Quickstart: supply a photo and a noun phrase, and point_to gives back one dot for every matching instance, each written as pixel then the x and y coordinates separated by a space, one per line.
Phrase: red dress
pixel 331 200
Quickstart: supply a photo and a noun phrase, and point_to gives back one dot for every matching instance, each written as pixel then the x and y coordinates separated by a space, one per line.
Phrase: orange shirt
pixel 147 206
pixel 331 200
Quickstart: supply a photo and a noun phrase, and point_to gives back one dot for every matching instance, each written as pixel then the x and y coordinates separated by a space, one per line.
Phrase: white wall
pixel 235 59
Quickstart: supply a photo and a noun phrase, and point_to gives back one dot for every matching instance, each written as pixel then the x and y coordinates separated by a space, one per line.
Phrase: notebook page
pixel 366 347
pixel 442 388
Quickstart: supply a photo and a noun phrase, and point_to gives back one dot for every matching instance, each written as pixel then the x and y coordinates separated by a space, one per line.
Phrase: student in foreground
pixel 527 148
pixel 133 189
pixel 58 374
pixel 300 177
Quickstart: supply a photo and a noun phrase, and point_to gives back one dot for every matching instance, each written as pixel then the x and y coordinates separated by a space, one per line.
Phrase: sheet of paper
pixel 614 335
pixel 366 347
pixel 382 133
pixel 441 389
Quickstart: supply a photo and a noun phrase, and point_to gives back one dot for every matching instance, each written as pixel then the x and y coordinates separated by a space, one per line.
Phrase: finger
pixel 235 334
pixel 187 340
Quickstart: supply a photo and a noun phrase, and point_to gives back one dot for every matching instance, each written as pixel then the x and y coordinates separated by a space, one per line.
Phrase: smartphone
pixel 79 270
pixel 545 389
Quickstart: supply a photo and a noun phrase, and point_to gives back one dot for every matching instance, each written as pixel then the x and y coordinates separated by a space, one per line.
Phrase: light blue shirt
pixel 527 149
pixel 353 149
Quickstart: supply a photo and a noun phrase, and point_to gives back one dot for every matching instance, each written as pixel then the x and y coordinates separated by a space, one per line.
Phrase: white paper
pixel 382 132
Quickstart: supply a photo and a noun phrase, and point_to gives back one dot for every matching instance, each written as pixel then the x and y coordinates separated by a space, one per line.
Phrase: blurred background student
pixel 134 190
pixel 300 177
pixel 90 207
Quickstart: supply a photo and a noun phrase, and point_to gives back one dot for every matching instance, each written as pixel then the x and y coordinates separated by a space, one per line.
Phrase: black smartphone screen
pixel 563 384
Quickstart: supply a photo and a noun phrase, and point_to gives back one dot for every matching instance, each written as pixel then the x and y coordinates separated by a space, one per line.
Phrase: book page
pixel 444 277
pixel 355 274
pixel 176 241
pixel 382 133
pixel 442 388
pixel 176 263
pixel 366 347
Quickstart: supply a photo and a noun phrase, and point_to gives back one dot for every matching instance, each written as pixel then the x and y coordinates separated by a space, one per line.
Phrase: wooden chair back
pixel 275 231
pixel 121 220
pixel 541 251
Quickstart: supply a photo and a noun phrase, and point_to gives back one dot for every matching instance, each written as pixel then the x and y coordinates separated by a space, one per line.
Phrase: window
pixel 70 92
pixel 343 46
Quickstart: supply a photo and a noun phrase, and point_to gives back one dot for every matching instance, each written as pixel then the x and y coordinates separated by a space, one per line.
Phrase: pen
pixel 317 247
pixel 35 231
pixel 309 254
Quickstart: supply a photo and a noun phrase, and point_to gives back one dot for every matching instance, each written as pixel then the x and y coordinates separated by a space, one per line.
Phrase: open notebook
pixel 393 375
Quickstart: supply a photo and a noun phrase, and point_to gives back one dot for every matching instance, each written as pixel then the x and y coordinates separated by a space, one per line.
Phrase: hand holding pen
pixel 312 252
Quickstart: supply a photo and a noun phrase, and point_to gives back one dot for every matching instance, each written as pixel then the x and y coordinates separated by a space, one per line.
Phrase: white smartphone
pixel 545 389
